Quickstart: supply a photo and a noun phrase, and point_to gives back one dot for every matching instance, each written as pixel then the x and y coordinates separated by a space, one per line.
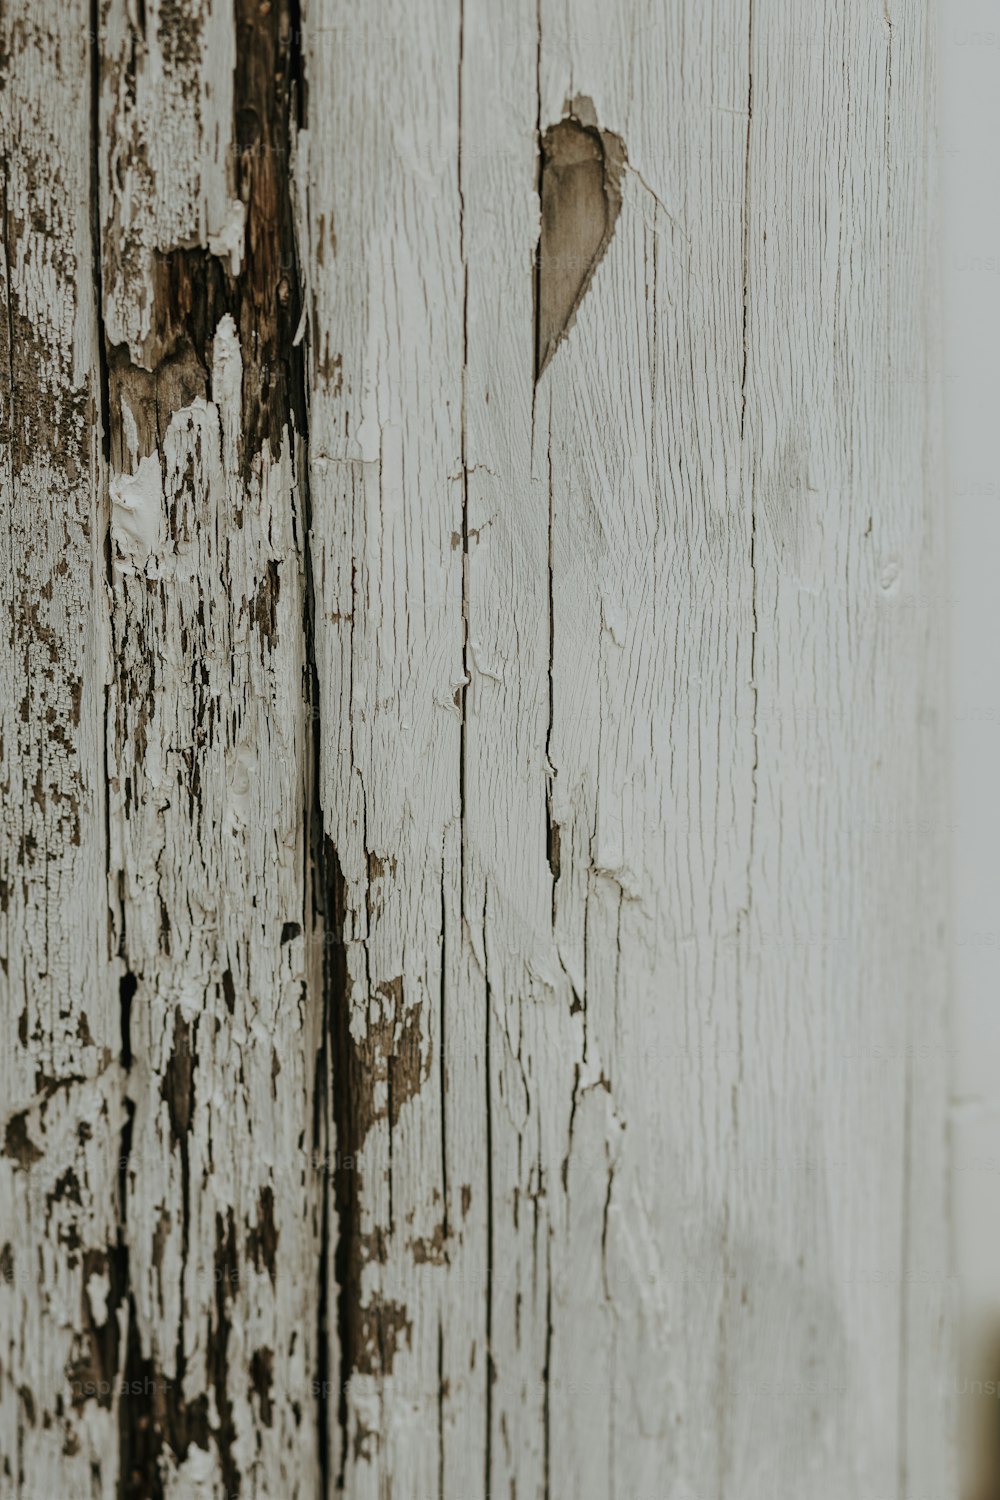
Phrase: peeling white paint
pixel 137 513
pixel 229 240
pixel 197 1478
pixel 98 1289
pixel 227 381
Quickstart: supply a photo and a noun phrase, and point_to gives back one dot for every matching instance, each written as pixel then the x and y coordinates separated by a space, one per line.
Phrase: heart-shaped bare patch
pixel 580 189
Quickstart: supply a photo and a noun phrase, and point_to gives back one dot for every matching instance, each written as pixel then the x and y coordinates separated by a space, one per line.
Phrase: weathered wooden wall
pixel 474 1001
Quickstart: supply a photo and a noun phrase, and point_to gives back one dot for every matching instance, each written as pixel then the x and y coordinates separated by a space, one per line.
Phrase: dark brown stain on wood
pixel 262 1241
pixel 431 1250
pixel 18 1145
pixel 383 1328
pixel 194 289
pixel 261 1380
pixel 390 1063
pixel 142 1418
pixel 334 1076
pixel 153 1414
pixel 226 1277
pixel 580 175
pixel 554 850
pixel 94 1372
pixel 177 1083
pixel 371 1078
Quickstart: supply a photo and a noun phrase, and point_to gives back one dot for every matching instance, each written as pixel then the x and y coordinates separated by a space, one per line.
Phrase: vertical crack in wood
pixel 337 1090
pixel 547 1375
pixel 463 746
pixel 488 1066
pixel 750 469
pixel 750 480
pixel 334 1094
pixel 442 1059
pixel 466 657
pixel 98 269
pixel 137 1441
pixel 553 833
pixel 743 917
pixel 440 1408
pixel 463 704
pixel 539 161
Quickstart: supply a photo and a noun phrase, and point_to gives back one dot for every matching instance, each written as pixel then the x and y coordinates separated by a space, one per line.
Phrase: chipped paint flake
pixel 228 242
pixel 137 514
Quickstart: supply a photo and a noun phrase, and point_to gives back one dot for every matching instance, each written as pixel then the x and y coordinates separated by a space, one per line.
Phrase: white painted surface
pixel 970 122
pixel 969 46
pixel 630 722
pixel 695 1086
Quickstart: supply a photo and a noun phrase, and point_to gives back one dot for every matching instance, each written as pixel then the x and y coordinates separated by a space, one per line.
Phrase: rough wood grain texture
pixel 679 1011
pixel 472 551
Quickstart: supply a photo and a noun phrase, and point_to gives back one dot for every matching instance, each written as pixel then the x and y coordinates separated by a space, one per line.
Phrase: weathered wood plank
pixel 489 672
pixel 61 1084
pixel 652 749
pixel 209 746
pixel 383 246
pixel 686 675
